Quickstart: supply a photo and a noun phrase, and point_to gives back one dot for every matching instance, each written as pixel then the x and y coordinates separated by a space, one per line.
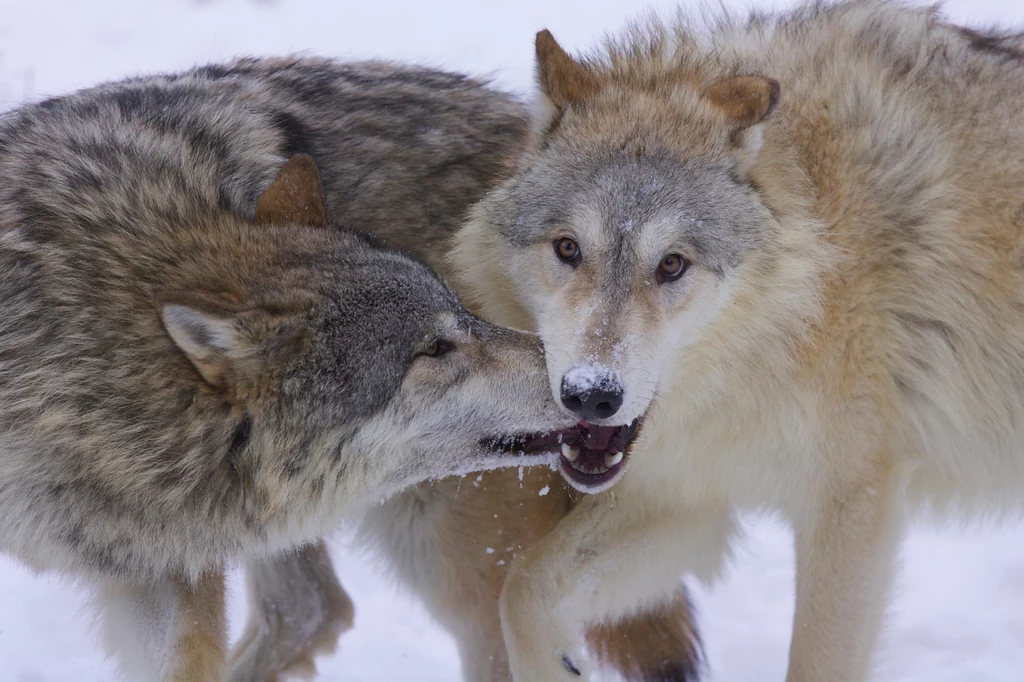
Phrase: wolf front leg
pixel 170 631
pixel 845 557
pixel 297 609
pixel 614 554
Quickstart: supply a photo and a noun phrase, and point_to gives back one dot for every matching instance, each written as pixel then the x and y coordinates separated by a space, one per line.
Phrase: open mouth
pixel 595 458
pixel 592 457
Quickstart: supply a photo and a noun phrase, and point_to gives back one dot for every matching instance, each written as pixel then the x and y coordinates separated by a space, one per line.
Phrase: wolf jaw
pixel 592 458
pixel 597 456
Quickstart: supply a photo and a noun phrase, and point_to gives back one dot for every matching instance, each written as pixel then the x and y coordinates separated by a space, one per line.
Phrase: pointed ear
pixel 296 196
pixel 562 79
pixel 210 338
pixel 229 344
pixel 745 100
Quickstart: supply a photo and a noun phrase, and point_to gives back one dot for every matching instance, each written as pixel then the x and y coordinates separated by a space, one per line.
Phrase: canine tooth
pixel 611 460
pixel 570 453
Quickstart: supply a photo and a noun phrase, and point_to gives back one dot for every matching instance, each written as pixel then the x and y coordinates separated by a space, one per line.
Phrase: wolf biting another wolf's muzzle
pixel 196 368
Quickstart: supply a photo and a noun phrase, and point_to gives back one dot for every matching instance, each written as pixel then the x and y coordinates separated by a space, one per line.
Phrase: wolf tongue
pixel 598 437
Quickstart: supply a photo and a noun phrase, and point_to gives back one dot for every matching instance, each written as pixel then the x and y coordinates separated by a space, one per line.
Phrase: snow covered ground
pixel 959 611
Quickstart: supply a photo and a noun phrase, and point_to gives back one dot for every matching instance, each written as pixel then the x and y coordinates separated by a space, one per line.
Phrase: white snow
pixel 584 378
pixel 958 615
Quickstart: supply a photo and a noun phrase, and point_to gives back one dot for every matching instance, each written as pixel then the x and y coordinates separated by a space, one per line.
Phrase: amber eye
pixel 671 268
pixel 568 251
pixel 438 348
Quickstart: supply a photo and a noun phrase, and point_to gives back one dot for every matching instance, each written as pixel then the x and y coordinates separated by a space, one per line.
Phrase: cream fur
pixel 863 363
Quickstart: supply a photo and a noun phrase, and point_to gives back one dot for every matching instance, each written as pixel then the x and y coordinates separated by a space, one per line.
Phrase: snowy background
pixel 959 611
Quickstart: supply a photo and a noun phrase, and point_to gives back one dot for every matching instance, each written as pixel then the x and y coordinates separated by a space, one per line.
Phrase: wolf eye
pixel 437 348
pixel 671 268
pixel 568 251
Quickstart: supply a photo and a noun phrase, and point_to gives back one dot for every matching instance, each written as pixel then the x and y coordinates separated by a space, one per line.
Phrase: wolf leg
pixel 845 566
pixel 612 554
pixel 172 631
pixel 452 542
pixel 297 609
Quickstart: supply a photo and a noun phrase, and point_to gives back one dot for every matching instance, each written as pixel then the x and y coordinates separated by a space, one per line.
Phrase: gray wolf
pixel 196 367
pixel 792 247
pixel 139 196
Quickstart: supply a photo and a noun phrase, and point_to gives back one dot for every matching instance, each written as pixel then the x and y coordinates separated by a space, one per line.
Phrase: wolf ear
pixel 296 196
pixel 746 102
pixel 217 336
pixel 563 80
pixel 210 340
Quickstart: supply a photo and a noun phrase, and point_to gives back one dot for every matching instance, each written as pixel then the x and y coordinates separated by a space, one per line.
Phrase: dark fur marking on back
pixel 1008 46
pixel 297 138
pixel 219 71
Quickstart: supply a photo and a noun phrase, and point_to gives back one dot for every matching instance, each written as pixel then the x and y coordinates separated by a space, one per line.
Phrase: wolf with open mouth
pixel 595 457
pixel 793 246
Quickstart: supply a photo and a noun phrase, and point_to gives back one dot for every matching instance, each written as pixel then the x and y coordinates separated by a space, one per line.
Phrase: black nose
pixel 598 400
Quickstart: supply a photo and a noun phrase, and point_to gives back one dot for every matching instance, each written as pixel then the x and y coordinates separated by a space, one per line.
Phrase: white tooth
pixel 611 460
pixel 570 453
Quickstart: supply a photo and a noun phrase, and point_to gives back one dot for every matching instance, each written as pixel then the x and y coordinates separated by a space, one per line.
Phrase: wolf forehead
pixel 377 309
pixel 618 196
pixel 400 297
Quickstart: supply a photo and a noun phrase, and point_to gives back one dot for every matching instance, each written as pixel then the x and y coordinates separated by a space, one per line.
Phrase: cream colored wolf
pixel 792 247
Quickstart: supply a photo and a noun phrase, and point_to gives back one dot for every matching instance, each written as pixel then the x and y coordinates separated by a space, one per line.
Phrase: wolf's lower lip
pixel 589 474
pixel 597 456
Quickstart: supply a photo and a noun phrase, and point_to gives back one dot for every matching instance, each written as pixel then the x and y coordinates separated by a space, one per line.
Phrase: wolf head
pixel 358 369
pixel 627 227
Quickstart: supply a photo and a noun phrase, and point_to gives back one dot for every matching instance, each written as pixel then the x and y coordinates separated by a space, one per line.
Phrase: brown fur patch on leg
pixel 484 522
pixel 199 650
pixel 659 645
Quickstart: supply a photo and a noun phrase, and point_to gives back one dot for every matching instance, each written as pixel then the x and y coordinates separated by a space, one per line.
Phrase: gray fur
pixel 627 191
pixel 117 460
pixel 404 151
